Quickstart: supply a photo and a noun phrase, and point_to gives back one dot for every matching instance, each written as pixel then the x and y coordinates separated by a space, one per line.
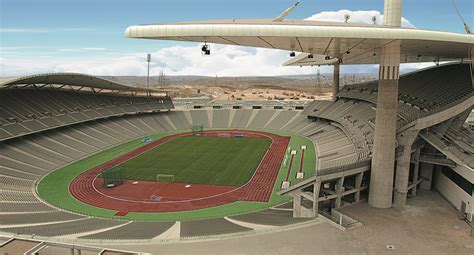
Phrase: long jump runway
pixel 141 197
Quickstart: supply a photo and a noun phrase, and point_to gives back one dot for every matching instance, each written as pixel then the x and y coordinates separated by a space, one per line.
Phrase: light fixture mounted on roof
pixel 347 17
pixel 310 56
pixel 374 20
pixel 206 49
pixel 292 54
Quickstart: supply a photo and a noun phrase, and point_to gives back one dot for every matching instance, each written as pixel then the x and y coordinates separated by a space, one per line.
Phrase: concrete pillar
pixel 426 171
pixel 416 170
pixel 392 13
pixel 401 179
pixel 316 189
pixel 339 191
pixel 471 57
pixel 403 168
pixel 336 80
pixel 382 169
pixel 358 184
pixel 297 213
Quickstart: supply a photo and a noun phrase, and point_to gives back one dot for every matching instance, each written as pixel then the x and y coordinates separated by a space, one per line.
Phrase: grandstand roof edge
pixel 73 79
pixel 350 43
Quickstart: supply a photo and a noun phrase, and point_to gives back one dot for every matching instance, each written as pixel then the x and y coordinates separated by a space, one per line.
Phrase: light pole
pixel 148 59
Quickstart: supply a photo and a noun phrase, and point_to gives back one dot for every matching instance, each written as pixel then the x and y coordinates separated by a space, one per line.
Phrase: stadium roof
pixel 69 79
pixel 352 43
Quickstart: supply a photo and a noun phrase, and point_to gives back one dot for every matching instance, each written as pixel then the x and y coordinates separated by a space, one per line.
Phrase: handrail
pixel 338 169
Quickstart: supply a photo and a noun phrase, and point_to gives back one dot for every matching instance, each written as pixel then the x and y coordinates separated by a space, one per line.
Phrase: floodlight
pixel 347 17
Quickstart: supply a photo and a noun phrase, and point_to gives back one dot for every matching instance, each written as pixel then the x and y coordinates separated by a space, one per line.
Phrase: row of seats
pixel 446 85
pixel 352 117
pixel 26 110
pixel 28 158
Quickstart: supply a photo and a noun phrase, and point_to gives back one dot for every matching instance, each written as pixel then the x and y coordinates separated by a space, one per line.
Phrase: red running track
pixel 175 196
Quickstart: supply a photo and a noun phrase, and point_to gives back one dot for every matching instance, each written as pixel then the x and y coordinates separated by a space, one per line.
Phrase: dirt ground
pixel 427 225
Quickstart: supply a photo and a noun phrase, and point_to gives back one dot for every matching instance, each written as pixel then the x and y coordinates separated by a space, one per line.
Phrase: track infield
pixel 210 160
pixel 266 164
pixel 54 188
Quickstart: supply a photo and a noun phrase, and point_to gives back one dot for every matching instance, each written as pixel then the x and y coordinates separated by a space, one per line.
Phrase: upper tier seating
pixel 354 118
pixel 421 93
pixel 28 110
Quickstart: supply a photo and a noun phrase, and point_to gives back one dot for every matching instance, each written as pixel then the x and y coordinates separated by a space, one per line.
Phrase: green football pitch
pixel 199 160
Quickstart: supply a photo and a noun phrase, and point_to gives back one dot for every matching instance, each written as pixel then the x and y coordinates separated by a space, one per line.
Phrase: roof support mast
pixel 382 170
pixel 285 13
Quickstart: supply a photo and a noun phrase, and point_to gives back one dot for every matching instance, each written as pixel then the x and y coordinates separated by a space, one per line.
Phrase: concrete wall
pixel 452 192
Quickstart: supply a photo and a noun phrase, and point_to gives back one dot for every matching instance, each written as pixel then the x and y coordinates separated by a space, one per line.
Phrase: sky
pixel 86 36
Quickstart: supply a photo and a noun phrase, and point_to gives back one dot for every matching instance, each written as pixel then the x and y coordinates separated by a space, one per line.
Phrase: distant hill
pixel 245 81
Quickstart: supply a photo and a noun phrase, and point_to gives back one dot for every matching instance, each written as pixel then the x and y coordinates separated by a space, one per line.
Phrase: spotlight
pixel 206 49
pixel 347 17
pixel 292 54
pixel 327 58
pixel 310 56
pixel 348 52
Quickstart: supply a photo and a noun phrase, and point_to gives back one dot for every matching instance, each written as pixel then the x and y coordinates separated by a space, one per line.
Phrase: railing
pixel 339 169
pixel 342 220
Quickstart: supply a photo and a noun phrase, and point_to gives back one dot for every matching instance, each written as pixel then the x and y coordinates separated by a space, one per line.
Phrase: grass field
pixel 54 188
pixel 200 160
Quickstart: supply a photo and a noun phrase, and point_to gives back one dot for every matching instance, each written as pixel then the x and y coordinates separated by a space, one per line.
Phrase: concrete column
pixel 358 184
pixel 336 80
pixel 416 170
pixel 426 171
pixel 392 13
pixel 316 189
pixel 297 204
pixel 403 168
pixel 383 158
pixel 401 179
pixel 471 57
pixel 339 191
pixel 382 170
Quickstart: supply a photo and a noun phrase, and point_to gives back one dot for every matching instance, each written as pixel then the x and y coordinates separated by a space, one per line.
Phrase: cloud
pixel 358 17
pixel 177 60
pixel 225 60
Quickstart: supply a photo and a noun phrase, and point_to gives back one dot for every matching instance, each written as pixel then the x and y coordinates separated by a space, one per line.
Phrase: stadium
pixel 88 162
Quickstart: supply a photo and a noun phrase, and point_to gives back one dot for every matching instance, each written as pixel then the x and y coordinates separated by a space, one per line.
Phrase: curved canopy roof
pixel 72 79
pixel 352 43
